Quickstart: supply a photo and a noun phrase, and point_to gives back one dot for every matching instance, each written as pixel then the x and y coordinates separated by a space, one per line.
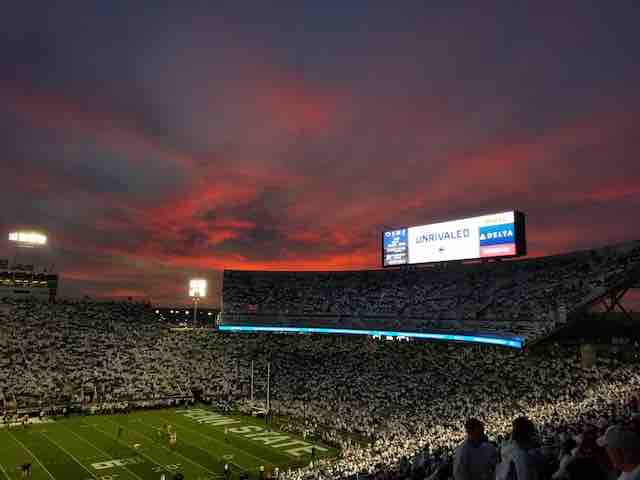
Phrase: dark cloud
pixel 158 143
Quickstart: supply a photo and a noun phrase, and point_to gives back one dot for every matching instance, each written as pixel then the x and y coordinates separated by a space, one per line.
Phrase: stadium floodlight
pixel 197 287
pixel 197 290
pixel 28 238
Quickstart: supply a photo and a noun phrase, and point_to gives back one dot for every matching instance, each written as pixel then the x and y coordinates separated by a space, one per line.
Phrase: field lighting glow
pixel 28 238
pixel 197 287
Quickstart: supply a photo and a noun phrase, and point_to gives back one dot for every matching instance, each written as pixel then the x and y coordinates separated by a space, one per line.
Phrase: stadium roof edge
pixel 630 280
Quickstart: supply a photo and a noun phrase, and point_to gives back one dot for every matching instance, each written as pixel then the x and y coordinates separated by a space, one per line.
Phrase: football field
pixel 135 447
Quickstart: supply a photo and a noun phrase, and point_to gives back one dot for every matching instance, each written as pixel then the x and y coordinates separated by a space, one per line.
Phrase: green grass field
pixel 84 448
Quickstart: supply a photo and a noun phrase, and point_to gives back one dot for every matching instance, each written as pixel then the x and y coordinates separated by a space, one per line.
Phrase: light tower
pixel 28 245
pixel 28 273
pixel 197 290
pixel 29 239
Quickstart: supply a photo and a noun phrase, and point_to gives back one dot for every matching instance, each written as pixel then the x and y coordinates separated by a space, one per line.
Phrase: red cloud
pixel 294 107
pixel 334 218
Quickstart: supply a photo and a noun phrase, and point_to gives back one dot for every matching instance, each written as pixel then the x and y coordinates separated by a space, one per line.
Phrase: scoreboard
pixel 496 235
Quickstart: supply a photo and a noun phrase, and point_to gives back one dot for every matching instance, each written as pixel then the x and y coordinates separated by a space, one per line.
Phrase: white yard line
pixel 218 442
pixel 103 452
pixel 293 437
pixel 165 448
pixel 4 472
pixel 262 460
pixel 284 453
pixel 70 454
pixel 31 453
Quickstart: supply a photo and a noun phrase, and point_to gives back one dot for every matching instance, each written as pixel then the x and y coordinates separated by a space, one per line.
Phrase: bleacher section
pixel 525 298
pixel 104 356
pixel 52 352
pixel 27 283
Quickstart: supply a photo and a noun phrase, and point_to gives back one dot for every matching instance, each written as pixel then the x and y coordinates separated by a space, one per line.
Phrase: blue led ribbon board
pixel 513 342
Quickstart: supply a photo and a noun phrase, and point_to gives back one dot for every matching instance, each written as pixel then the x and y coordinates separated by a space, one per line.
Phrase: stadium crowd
pixel 523 298
pixel 397 409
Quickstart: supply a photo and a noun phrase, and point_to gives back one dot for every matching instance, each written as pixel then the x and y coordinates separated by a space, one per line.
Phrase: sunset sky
pixel 156 143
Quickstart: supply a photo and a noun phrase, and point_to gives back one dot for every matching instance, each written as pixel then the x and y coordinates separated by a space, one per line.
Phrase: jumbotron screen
pixel 487 236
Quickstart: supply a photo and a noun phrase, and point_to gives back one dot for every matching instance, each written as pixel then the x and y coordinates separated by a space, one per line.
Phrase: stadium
pixel 319 240
pixel 324 374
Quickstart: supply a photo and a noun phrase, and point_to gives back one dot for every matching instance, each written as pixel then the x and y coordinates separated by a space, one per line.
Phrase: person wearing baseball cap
pixel 623 448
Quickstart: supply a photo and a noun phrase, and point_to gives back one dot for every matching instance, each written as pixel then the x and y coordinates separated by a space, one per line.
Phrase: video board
pixel 488 236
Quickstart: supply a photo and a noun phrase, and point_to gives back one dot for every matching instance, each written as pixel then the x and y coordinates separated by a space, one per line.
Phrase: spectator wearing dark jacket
pixel 476 458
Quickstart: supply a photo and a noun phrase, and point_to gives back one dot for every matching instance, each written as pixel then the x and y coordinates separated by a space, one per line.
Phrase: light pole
pixel 197 290
pixel 196 299
pixel 268 387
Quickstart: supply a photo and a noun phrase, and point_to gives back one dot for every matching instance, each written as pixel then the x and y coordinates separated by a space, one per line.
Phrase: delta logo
pixel 497 234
